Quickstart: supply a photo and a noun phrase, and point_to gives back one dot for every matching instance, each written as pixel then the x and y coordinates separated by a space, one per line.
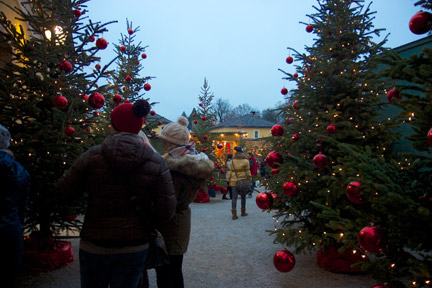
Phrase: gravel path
pixel 225 253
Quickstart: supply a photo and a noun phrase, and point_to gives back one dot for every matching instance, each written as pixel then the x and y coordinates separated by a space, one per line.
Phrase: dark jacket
pixel 15 185
pixel 129 190
pixel 189 173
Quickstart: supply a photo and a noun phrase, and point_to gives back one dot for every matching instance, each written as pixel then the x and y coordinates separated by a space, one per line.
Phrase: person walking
pixel 227 165
pixel 239 170
pixel 189 170
pixel 253 166
pixel 129 192
pixel 15 186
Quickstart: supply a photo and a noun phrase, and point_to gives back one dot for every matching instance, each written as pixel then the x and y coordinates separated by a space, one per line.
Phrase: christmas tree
pixel 44 99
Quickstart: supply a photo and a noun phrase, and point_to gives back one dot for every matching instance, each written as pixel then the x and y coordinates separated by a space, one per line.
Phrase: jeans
pixel 234 199
pixel 171 275
pixel 115 270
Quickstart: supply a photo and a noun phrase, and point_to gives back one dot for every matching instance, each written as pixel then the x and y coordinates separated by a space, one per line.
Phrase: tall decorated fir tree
pixel 47 95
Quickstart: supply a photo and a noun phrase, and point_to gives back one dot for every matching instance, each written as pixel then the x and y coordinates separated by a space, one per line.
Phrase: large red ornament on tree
pixel 393 93
pixel 295 137
pixel 309 28
pixel 122 48
pixel 353 193
pixel 70 131
pixel 331 129
pixel 320 160
pixel 296 105
pixel 117 99
pixel 130 31
pixel 264 200
pixel 429 137
pixel 220 145
pixel 420 23
pixel 128 78
pixel 274 172
pixel 60 102
pixel 96 100
pixel 101 43
pixel 289 188
pixel 65 66
pixel 277 130
pixel 289 60
pixel 147 87
pixel 284 91
pixel 152 112
pixel 144 55
pixel 77 13
pixel 370 239
pixel 284 261
pixel 295 75
pixel 273 158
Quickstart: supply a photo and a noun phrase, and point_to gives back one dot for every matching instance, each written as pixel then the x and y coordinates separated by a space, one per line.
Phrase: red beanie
pixel 125 119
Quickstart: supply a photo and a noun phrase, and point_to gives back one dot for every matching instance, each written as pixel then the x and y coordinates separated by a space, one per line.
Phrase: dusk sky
pixel 238 45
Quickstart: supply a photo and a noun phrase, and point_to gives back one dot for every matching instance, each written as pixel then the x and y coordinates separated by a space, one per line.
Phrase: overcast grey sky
pixel 238 45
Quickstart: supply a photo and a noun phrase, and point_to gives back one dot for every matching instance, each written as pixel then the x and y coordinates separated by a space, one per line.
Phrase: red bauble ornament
pixel 128 78
pixel 393 93
pixel 127 101
pixel 147 87
pixel 353 193
pixel 205 137
pixel 200 104
pixel 296 105
pixel 70 131
pixel 98 66
pixel 195 122
pixel 331 129
pixel 101 43
pixel 65 66
pixel 204 118
pixel 309 28
pixel 217 187
pixel 117 99
pixel 160 122
pixel 60 102
pixel 223 171
pixel 289 188
pixel 91 38
pixel 122 48
pixel 284 261
pixel 289 60
pixel 224 190
pixel 274 172
pixel 420 23
pixel 96 100
pixel 152 112
pixel 370 239
pixel 277 130
pixel 264 200
pixel 85 97
pixel 220 145
pixel 77 13
pixel 295 137
pixel 124 89
pixel 320 160
pixel 273 158
pixel 429 137
pixel 381 286
pixel 130 31
pixel 96 113
pixel 144 55
pixel 295 75
pixel 284 91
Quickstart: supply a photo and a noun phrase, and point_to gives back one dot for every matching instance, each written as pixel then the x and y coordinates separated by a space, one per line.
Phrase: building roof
pixel 158 117
pixel 246 121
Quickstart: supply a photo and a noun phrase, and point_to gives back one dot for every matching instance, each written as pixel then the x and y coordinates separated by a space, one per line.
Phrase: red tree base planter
pixel 46 254
pixel 202 197
pixel 331 260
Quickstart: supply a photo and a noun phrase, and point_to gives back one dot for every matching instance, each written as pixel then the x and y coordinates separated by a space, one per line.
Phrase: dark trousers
pixel 171 275
pixel 11 251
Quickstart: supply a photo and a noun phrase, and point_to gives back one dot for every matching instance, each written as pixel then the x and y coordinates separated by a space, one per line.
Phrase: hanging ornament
pixel 289 188
pixel 295 75
pixel 217 187
pixel 95 113
pixel 101 43
pixel 144 55
pixel 205 137
pixel 122 48
pixel 70 131
pixel 277 130
pixel 420 23
pixel 220 145
pixel 160 123
pixel 273 158
pixel 309 28
pixel 393 93
pixel 284 261
pixel 65 66
pixel 77 13
pixel 152 112
pixel 429 137
pixel 85 96
pixel 296 105
pixel 117 99
pixel 224 190
pixel 98 67
pixel 264 200
pixel 91 38
pixel 204 118
pixel 60 102
pixel 195 122
pixel 130 31
pixel 289 60
pixel 274 172
pixel 320 160
pixel 128 78
pixel 127 101
pixel 147 87
pixel 353 193
pixel 284 91
pixel 370 239
pixel 223 171
pixel 96 100
pixel 331 129
pixel 295 137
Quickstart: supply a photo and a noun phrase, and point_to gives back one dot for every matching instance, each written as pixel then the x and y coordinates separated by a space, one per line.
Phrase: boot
pixel 234 214
pixel 243 212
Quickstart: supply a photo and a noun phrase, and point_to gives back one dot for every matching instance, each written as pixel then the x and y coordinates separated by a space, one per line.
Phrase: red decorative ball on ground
pixel 122 48
pixel 130 31
pixel 273 158
pixel 284 261
pixel 65 66
pixel 309 28
pixel 284 91
pixel 101 43
pixel 144 55
pixel 60 102
pixel 289 188
pixel 353 193
pixel 289 60
pixel 70 131
pixel 277 130
pixel 147 87
pixel 77 13
pixel 420 22
pixel 320 160
pixel 296 105
pixel 429 137
pixel 220 145
pixel 264 200
pixel 117 99
pixel 96 100
pixel 370 239
pixel 393 93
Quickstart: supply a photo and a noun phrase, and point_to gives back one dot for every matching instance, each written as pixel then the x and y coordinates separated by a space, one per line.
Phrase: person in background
pixel 253 166
pixel 189 170
pixel 129 192
pixel 227 164
pixel 239 169
pixel 15 186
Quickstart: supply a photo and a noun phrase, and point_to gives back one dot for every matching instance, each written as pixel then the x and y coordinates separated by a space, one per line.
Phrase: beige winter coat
pixel 241 165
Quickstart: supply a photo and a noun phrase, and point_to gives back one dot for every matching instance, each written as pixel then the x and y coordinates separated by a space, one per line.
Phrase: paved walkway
pixel 226 253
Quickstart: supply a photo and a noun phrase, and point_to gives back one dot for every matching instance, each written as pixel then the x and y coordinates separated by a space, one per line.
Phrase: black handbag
pixel 157 254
